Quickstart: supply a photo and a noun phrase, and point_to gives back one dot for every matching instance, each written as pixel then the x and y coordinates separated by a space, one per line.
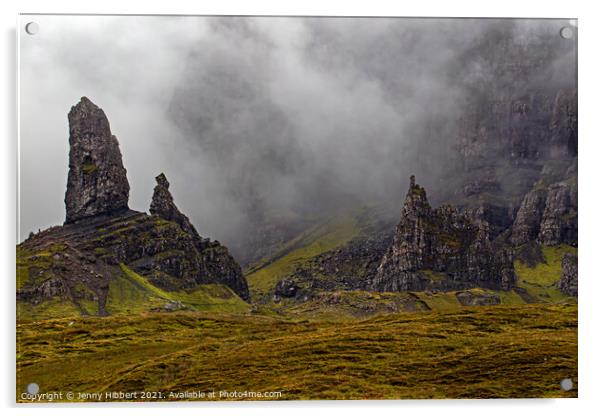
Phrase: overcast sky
pixel 248 114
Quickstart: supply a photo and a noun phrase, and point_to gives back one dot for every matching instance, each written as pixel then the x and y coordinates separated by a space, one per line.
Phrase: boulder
pixel 286 288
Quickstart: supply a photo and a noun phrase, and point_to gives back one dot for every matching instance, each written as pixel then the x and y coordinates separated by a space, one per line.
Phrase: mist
pixel 256 120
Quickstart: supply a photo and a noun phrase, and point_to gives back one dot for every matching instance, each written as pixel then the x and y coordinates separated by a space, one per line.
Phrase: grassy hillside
pixel 130 292
pixel 540 281
pixel 323 237
pixel 477 352
pixel 344 305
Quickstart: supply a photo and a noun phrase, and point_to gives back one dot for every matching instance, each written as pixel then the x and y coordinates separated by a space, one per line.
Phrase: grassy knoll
pixel 478 352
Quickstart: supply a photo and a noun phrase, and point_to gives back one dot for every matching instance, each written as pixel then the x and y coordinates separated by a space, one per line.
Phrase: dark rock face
pixel 548 215
pixel 568 281
pixel 530 254
pixel 528 218
pixel 559 219
pixel 97 182
pixel 192 257
pixel 163 206
pixel 499 218
pixel 520 113
pixel 350 267
pixel 445 242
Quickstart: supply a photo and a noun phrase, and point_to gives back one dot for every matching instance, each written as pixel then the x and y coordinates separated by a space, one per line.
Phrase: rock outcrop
pixel 198 259
pixel 97 183
pixel 350 267
pixel 473 299
pixel 67 273
pixel 102 235
pixel 164 207
pixel 528 218
pixel 559 219
pixel 441 248
pixel 568 281
pixel 286 288
pixel 548 215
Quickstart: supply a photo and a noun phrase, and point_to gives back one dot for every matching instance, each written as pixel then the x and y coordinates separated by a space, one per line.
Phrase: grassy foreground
pixel 477 352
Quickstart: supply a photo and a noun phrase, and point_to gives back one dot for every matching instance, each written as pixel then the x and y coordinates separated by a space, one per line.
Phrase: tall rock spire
pixel 97 183
pixel 164 207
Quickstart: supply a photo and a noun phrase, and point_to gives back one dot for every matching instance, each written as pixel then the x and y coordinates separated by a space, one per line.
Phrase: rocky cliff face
pixel 441 248
pixel 97 182
pixel 548 215
pixel 522 104
pixel 79 260
pixel 528 218
pixel 559 218
pixel 518 123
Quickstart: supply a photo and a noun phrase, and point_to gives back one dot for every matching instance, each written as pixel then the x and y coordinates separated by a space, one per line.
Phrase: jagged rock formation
pixel 528 218
pixel 213 262
pixel 559 219
pixel 441 248
pixel 163 206
pixel 101 235
pixel 97 182
pixel 568 281
pixel 513 178
pixel 548 215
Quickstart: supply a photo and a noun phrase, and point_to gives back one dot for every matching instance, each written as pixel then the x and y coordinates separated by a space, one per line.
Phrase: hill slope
pixel 484 352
